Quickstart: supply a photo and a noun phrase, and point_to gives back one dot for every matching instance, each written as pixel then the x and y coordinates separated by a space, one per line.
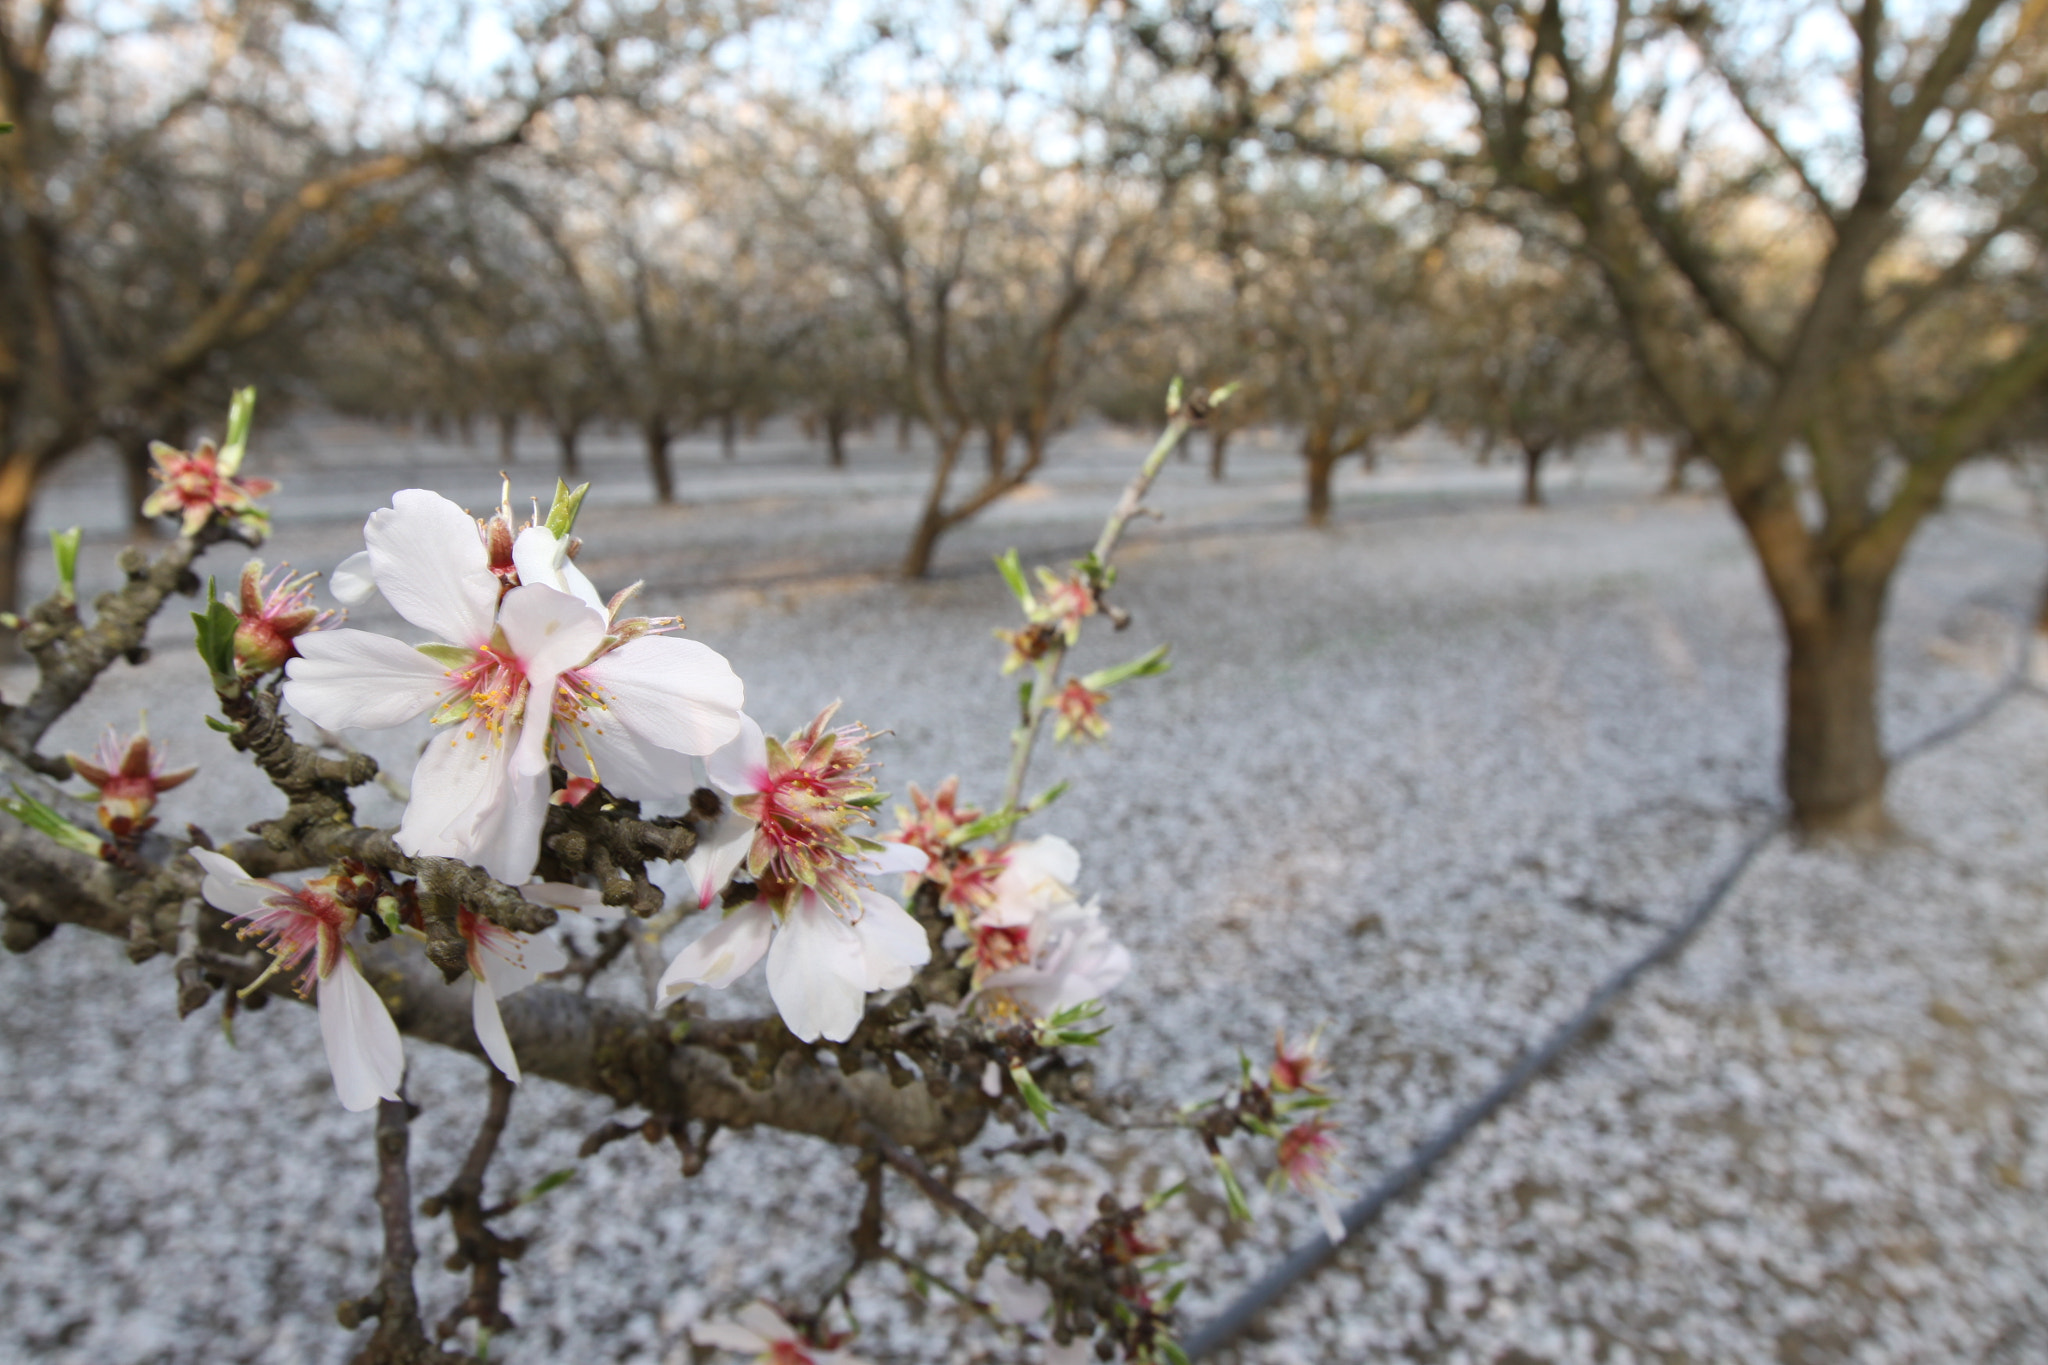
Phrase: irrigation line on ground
pixel 1313 1254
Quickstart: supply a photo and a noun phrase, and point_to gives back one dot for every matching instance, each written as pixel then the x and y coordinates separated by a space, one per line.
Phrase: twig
pixel 1025 737
pixel 400 1339
pixel 921 1176
pixel 192 988
pixel 482 1250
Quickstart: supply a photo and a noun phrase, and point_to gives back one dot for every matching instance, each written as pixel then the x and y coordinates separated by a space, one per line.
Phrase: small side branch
pixel 400 1339
pixel 477 1247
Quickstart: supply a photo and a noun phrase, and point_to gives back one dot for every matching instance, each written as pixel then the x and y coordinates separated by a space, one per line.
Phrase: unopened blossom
pixel 500 963
pixel 1063 603
pixel 1307 1153
pixel 1036 949
pixel 1078 711
pixel 130 776
pixel 828 935
pixel 275 609
pixel 765 1335
pixel 191 485
pixel 929 822
pixel 1296 1068
pixel 540 675
pixel 313 922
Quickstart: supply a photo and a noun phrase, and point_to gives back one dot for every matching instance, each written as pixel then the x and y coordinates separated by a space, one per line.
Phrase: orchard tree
pixel 1538 359
pixel 179 180
pixel 1886 161
pixel 1338 314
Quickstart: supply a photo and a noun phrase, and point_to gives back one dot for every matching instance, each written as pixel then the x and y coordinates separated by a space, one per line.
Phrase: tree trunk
pixel 17 500
pixel 998 434
pixel 1532 473
pixel 1219 446
pixel 932 521
pixel 656 433
pixel 508 437
pixel 1683 453
pixel 1321 464
pixel 566 436
pixel 1834 764
pixel 835 437
pixel 728 433
pixel 902 432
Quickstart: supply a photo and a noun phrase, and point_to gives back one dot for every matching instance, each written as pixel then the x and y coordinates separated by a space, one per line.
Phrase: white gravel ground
pixel 1427 777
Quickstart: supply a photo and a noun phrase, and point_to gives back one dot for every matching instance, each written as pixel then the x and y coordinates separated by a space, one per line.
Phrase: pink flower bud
pixel 275 610
pixel 191 485
pixel 129 774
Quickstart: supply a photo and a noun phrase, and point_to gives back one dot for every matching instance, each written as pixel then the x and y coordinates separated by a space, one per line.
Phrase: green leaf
pixel 6 127
pixel 1024 690
pixel 1174 394
pixel 241 412
pixel 1034 1098
pixel 547 1184
pixel 1158 1201
pixel 214 634
pixel 1145 666
pixel 987 825
pixel 1233 1193
pixel 44 820
pixel 1218 397
pixel 225 727
pixel 1046 798
pixel 1013 574
pixel 1062 1029
pixel 64 548
pixel 563 510
pixel 1170 1348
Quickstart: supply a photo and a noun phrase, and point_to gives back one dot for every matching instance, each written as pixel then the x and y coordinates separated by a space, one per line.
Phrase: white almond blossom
pixel 363 1048
pixel 512 680
pixel 500 963
pixel 759 1331
pixel 828 935
pixel 1036 948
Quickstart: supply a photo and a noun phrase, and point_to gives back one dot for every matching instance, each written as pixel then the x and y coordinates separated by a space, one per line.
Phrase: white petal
pixel 817 973
pixel 720 851
pixel 893 944
pixel 894 858
pixel 1079 1351
pixel 764 1322
pixel 354 680
pixel 740 765
pixel 228 887
pixel 1020 1300
pixel 507 838
pixel 513 961
pixel 490 1029
pixel 363 1049
pixel 550 632
pixel 352 583
pixel 1328 1215
pixel 673 694
pixel 597 745
pixel 728 1336
pixel 431 565
pixel 584 900
pixel 722 956
pixel 466 803
pixel 542 557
